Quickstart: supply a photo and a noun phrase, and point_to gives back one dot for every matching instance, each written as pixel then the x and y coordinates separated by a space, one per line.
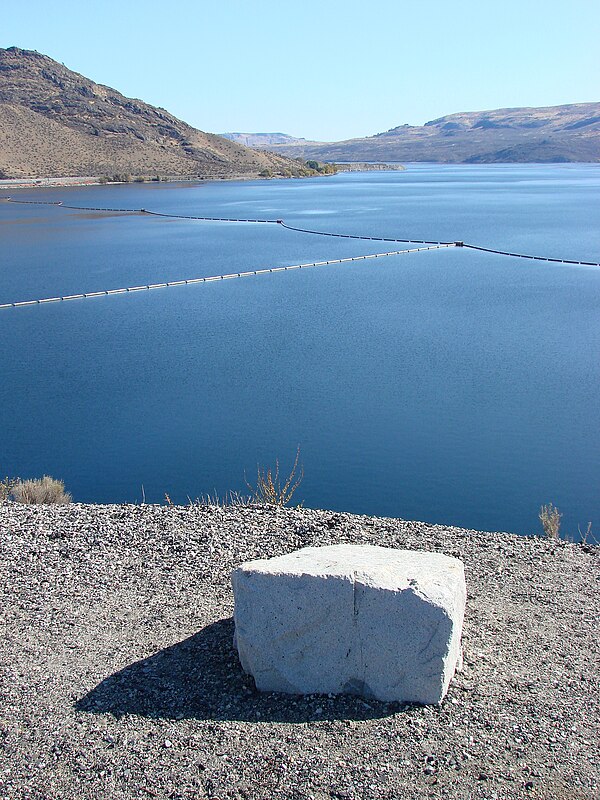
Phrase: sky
pixel 321 69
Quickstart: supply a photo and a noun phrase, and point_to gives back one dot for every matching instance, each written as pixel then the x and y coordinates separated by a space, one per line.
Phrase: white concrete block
pixel 352 619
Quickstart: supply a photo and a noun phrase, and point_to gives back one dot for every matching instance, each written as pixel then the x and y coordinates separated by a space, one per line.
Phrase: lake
pixel 448 386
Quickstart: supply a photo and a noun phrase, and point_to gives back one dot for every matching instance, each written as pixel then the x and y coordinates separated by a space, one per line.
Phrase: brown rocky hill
pixel 55 123
pixel 551 134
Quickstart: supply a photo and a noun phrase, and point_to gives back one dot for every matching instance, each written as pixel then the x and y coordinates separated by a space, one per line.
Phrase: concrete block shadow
pixel 201 678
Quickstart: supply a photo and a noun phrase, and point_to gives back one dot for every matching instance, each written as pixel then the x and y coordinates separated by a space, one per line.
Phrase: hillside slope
pixel 551 134
pixel 55 122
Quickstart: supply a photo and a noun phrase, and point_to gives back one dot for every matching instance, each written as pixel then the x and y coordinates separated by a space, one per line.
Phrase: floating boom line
pixel 60 204
pixel 309 231
pixel 427 245
pixel 451 244
pixel 364 238
pixel 212 278
pixel 532 258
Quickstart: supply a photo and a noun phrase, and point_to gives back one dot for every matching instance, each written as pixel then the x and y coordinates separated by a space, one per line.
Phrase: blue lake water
pixel 448 386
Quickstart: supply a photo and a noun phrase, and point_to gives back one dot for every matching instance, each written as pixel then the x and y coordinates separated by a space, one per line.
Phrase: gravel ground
pixel 118 678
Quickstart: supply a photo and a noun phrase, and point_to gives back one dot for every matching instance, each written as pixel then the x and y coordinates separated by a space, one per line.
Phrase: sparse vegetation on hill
pixel 55 122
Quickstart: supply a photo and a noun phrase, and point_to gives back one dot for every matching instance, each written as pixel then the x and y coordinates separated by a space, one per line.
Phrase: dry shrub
pixel 270 490
pixel 40 490
pixel 550 518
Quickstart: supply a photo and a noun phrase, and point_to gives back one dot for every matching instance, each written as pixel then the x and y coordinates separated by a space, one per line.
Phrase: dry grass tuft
pixel 587 537
pixel 230 499
pixel 45 490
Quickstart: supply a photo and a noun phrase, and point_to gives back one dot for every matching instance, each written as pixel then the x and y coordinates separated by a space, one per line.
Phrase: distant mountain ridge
pixel 55 122
pixel 549 134
pixel 261 140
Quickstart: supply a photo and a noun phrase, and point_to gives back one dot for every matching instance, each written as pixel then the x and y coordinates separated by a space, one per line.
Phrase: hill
pixel 551 134
pixel 55 122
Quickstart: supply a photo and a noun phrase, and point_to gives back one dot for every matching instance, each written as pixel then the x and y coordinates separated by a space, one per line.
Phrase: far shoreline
pixel 342 167
pixel 94 180
pixel 67 181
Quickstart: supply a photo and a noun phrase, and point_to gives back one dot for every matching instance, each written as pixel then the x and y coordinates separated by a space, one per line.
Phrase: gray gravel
pixel 118 677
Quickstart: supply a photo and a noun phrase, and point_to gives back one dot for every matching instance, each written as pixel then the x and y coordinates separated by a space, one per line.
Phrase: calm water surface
pixel 447 386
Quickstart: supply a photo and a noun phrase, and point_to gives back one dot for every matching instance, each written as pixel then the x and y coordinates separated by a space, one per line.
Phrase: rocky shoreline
pixel 119 680
pixel 50 183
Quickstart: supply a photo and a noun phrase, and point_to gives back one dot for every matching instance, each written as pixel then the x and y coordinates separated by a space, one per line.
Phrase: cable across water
pixel 354 236
pixel 60 204
pixel 427 245
pixel 454 244
pixel 309 231
pixel 532 258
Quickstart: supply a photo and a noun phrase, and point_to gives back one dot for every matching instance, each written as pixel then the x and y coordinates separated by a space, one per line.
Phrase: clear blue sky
pixel 326 70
